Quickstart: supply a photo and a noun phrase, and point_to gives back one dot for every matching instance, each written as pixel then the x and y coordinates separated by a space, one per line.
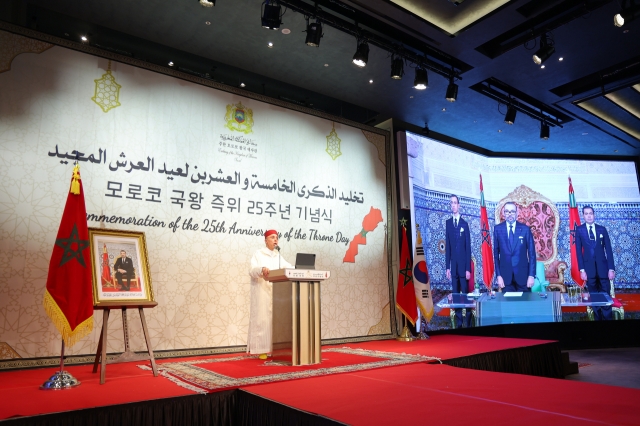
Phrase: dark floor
pixel 617 367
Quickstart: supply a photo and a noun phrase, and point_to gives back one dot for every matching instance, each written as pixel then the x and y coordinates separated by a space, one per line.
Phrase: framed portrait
pixel 120 267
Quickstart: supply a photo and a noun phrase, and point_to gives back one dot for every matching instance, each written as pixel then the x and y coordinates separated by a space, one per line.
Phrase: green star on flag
pixel 73 247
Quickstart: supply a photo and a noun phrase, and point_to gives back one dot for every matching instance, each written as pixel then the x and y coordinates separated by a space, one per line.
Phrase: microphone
pixel 277 247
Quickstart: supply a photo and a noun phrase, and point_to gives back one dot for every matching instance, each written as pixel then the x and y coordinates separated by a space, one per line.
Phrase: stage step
pixel 569 367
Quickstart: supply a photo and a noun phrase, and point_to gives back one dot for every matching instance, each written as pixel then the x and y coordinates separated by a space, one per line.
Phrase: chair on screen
pixel 540 283
pixel 541 215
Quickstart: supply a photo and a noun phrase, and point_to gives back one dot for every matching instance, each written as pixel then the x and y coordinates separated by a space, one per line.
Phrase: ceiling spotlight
pixel 510 116
pixel 397 68
pixel 545 51
pixel 544 131
pixel 271 18
pixel 242 84
pixel 452 91
pixel 626 15
pixel 314 33
pixel 207 3
pixel 422 80
pixel 370 81
pixel 84 38
pixel 362 53
pixel 170 63
pixel 270 45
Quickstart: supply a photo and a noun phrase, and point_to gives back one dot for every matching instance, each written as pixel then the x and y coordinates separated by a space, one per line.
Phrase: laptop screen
pixel 305 261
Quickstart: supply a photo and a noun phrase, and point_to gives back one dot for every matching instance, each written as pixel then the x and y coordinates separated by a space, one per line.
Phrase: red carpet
pixel 447 346
pixel 21 396
pixel 439 394
pixel 125 383
pixel 214 374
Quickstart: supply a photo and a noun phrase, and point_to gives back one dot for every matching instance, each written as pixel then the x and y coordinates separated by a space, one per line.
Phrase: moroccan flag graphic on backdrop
pixel 68 298
pixel 406 295
pixel 422 281
pixel 487 251
pixel 574 222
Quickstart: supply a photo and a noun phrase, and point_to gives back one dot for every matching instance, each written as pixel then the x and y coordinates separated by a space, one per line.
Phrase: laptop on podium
pixel 305 261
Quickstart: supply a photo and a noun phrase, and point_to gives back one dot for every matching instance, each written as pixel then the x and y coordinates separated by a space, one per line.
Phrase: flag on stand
pixel 106 270
pixel 574 222
pixel 406 295
pixel 68 297
pixel 487 251
pixel 421 280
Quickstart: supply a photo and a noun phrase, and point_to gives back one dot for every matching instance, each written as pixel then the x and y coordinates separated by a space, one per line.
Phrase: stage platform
pixel 417 378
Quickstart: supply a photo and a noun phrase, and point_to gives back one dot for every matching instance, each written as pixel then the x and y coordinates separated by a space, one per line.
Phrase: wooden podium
pixel 296 315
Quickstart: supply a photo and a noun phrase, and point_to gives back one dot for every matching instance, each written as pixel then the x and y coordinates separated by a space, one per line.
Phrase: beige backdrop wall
pixel 152 135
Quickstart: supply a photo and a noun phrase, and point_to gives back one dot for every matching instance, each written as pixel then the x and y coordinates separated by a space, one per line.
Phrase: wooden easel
pixel 127 355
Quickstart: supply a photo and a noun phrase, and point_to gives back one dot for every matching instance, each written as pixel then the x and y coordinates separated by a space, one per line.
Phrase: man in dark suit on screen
pixel 514 252
pixel 595 259
pixel 458 256
pixel 124 269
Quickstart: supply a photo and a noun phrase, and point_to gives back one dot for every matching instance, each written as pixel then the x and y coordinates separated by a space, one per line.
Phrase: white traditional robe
pixel 259 340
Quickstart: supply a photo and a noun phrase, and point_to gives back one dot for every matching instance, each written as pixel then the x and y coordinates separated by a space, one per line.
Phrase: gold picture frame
pixel 124 286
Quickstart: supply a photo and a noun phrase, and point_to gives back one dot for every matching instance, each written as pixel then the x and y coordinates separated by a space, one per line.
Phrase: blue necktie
pixel 511 236
pixel 591 236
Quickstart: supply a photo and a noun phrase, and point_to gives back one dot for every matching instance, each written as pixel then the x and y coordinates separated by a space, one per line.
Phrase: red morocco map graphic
pixel 369 223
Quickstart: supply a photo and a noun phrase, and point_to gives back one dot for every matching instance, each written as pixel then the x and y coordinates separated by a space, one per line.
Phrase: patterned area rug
pixel 214 374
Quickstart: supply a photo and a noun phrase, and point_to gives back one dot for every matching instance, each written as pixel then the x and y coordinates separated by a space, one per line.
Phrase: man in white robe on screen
pixel 264 260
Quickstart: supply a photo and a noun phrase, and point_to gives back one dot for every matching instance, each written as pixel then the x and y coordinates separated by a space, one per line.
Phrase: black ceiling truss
pixel 546 21
pixel 505 94
pixel 426 56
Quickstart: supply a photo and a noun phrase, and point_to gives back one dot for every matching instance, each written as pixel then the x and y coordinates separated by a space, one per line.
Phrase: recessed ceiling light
pixel 444 109
pixel 475 121
pixel 170 63
pixel 83 38
pixel 370 81
pixel 561 59
pixel 242 84
pixel 584 133
pixel 411 97
pixel 208 22
pixel 270 44
pixel 326 65
pixel 542 66
pixel 499 131
pixel 286 31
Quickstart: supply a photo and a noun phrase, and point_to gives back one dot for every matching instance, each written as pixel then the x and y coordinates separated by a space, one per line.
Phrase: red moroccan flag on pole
pixel 487 251
pixel 574 222
pixel 406 295
pixel 68 298
pixel 106 271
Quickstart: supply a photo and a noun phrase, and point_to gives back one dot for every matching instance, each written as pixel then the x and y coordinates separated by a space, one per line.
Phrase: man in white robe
pixel 264 260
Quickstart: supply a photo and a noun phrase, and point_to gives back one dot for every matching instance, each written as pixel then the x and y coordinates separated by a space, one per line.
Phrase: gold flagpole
pixel 406 335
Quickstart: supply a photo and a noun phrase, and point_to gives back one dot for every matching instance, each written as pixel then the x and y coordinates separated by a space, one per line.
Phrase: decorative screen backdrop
pixel 202 172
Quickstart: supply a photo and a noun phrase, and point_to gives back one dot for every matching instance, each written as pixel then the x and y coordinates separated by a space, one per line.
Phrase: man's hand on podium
pixel 265 272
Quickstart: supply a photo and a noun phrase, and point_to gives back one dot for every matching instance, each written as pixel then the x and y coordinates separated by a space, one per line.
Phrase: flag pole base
pixel 405 336
pixel 59 381
pixel 423 326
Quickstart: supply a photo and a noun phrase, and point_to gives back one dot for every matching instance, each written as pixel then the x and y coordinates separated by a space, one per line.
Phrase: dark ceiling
pixel 593 93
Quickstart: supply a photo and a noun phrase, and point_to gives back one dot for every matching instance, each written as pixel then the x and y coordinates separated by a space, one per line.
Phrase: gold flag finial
pixel 75 183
